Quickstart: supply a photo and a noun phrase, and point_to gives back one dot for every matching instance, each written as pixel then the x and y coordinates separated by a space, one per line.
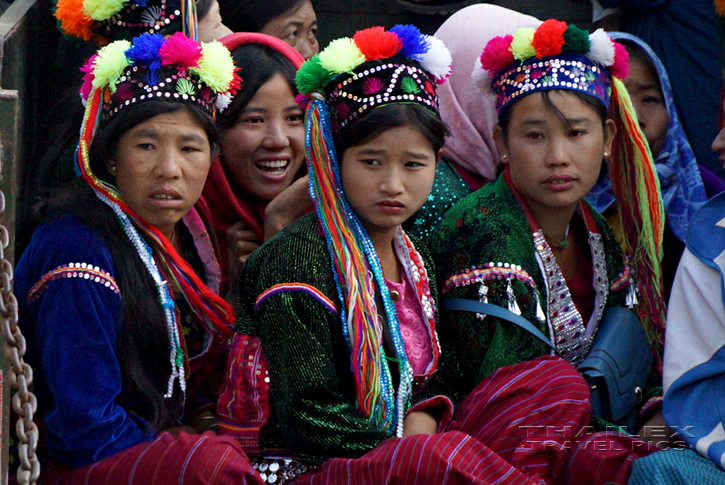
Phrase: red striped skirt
pixel 524 424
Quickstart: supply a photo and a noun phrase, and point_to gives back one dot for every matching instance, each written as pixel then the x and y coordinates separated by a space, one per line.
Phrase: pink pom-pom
pixel 87 86
pixel 180 50
pixel 620 68
pixel 497 54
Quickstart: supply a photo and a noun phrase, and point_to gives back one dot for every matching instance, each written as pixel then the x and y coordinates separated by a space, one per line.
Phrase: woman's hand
pixel 292 203
pixel 419 422
pixel 241 242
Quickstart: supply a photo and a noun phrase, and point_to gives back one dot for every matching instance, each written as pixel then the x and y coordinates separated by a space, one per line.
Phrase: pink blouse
pixel 413 328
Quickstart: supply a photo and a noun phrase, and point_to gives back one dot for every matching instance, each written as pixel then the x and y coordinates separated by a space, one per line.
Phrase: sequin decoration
pixel 84 271
pixel 565 320
pixel 573 72
pixel 398 82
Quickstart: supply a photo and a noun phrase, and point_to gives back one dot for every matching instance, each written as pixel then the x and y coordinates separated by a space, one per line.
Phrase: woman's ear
pixel 610 130
pixel 501 145
pixel 439 154
pixel 111 166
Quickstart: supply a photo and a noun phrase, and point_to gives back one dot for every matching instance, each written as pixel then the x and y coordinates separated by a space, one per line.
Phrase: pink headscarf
pixel 469 113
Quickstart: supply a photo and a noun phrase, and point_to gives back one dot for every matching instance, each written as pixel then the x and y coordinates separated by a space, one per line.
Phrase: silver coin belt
pixel 278 470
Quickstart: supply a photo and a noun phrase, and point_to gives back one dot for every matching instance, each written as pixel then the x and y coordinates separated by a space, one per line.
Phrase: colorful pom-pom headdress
pixel 105 21
pixel 555 56
pixel 124 74
pixel 341 84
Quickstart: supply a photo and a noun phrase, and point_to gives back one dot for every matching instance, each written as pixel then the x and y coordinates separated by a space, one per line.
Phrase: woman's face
pixel 387 179
pixel 210 27
pixel 264 151
pixel 644 90
pixel 160 167
pixel 297 27
pixel 554 165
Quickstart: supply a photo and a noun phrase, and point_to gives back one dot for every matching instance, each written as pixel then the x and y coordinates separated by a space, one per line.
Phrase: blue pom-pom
pixel 415 44
pixel 140 3
pixel 145 50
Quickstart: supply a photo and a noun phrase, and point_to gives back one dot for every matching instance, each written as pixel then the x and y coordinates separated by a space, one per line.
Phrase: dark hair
pixel 389 116
pixel 257 64
pixel 253 15
pixel 202 8
pixel 504 118
pixel 143 343
pixel 105 141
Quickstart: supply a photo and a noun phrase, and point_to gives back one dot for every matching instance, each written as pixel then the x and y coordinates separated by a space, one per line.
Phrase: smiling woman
pixel 118 287
pixel 257 184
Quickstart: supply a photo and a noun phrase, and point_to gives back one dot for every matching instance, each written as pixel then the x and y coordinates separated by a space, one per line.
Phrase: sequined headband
pixel 553 56
pixel 377 83
pixel 376 67
pixel 152 67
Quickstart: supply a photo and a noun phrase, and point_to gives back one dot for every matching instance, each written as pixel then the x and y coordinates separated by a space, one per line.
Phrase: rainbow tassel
pixel 637 190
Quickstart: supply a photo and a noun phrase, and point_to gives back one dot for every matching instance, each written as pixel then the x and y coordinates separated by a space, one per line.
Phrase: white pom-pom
pixel 223 101
pixel 481 77
pixel 602 48
pixel 84 101
pixel 437 61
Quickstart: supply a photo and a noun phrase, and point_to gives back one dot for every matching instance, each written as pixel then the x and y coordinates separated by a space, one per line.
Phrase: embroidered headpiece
pixel 373 69
pixel 376 67
pixel 156 68
pixel 552 56
pixel 555 56
pixel 149 68
pixel 105 21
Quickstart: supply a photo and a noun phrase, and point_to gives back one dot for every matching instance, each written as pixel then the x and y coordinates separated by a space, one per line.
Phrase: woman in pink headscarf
pixel 470 158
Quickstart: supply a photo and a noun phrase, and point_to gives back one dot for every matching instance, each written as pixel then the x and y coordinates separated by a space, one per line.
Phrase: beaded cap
pixel 374 68
pixel 104 21
pixel 552 56
pixel 152 67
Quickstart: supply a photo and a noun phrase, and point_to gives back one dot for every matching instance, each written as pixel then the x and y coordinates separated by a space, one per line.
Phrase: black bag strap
pixel 495 311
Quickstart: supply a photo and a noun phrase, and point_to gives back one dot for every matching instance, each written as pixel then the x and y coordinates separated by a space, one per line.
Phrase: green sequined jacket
pixel 311 390
pixel 486 227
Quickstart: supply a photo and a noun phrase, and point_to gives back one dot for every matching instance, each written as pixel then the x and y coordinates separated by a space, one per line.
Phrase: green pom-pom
pixel 576 40
pixel 100 10
pixel 110 64
pixel 312 77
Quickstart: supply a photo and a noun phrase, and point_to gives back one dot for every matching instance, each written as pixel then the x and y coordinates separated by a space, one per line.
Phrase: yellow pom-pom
pixel 216 67
pixel 102 9
pixel 341 55
pixel 521 46
pixel 110 64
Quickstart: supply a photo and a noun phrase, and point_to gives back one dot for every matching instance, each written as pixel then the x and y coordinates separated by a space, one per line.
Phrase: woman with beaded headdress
pixel 126 328
pixel 528 242
pixel 337 316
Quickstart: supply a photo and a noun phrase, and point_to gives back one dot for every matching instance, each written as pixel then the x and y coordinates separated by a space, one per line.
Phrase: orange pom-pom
pixel 549 38
pixel 375 43
pixel 720 7
pixel 73 19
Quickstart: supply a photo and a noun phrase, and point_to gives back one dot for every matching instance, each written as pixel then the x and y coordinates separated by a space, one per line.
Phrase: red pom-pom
pixel 73 19
pixel 497 54
pixel 549 38
pixel 620 68
pixel 375 43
